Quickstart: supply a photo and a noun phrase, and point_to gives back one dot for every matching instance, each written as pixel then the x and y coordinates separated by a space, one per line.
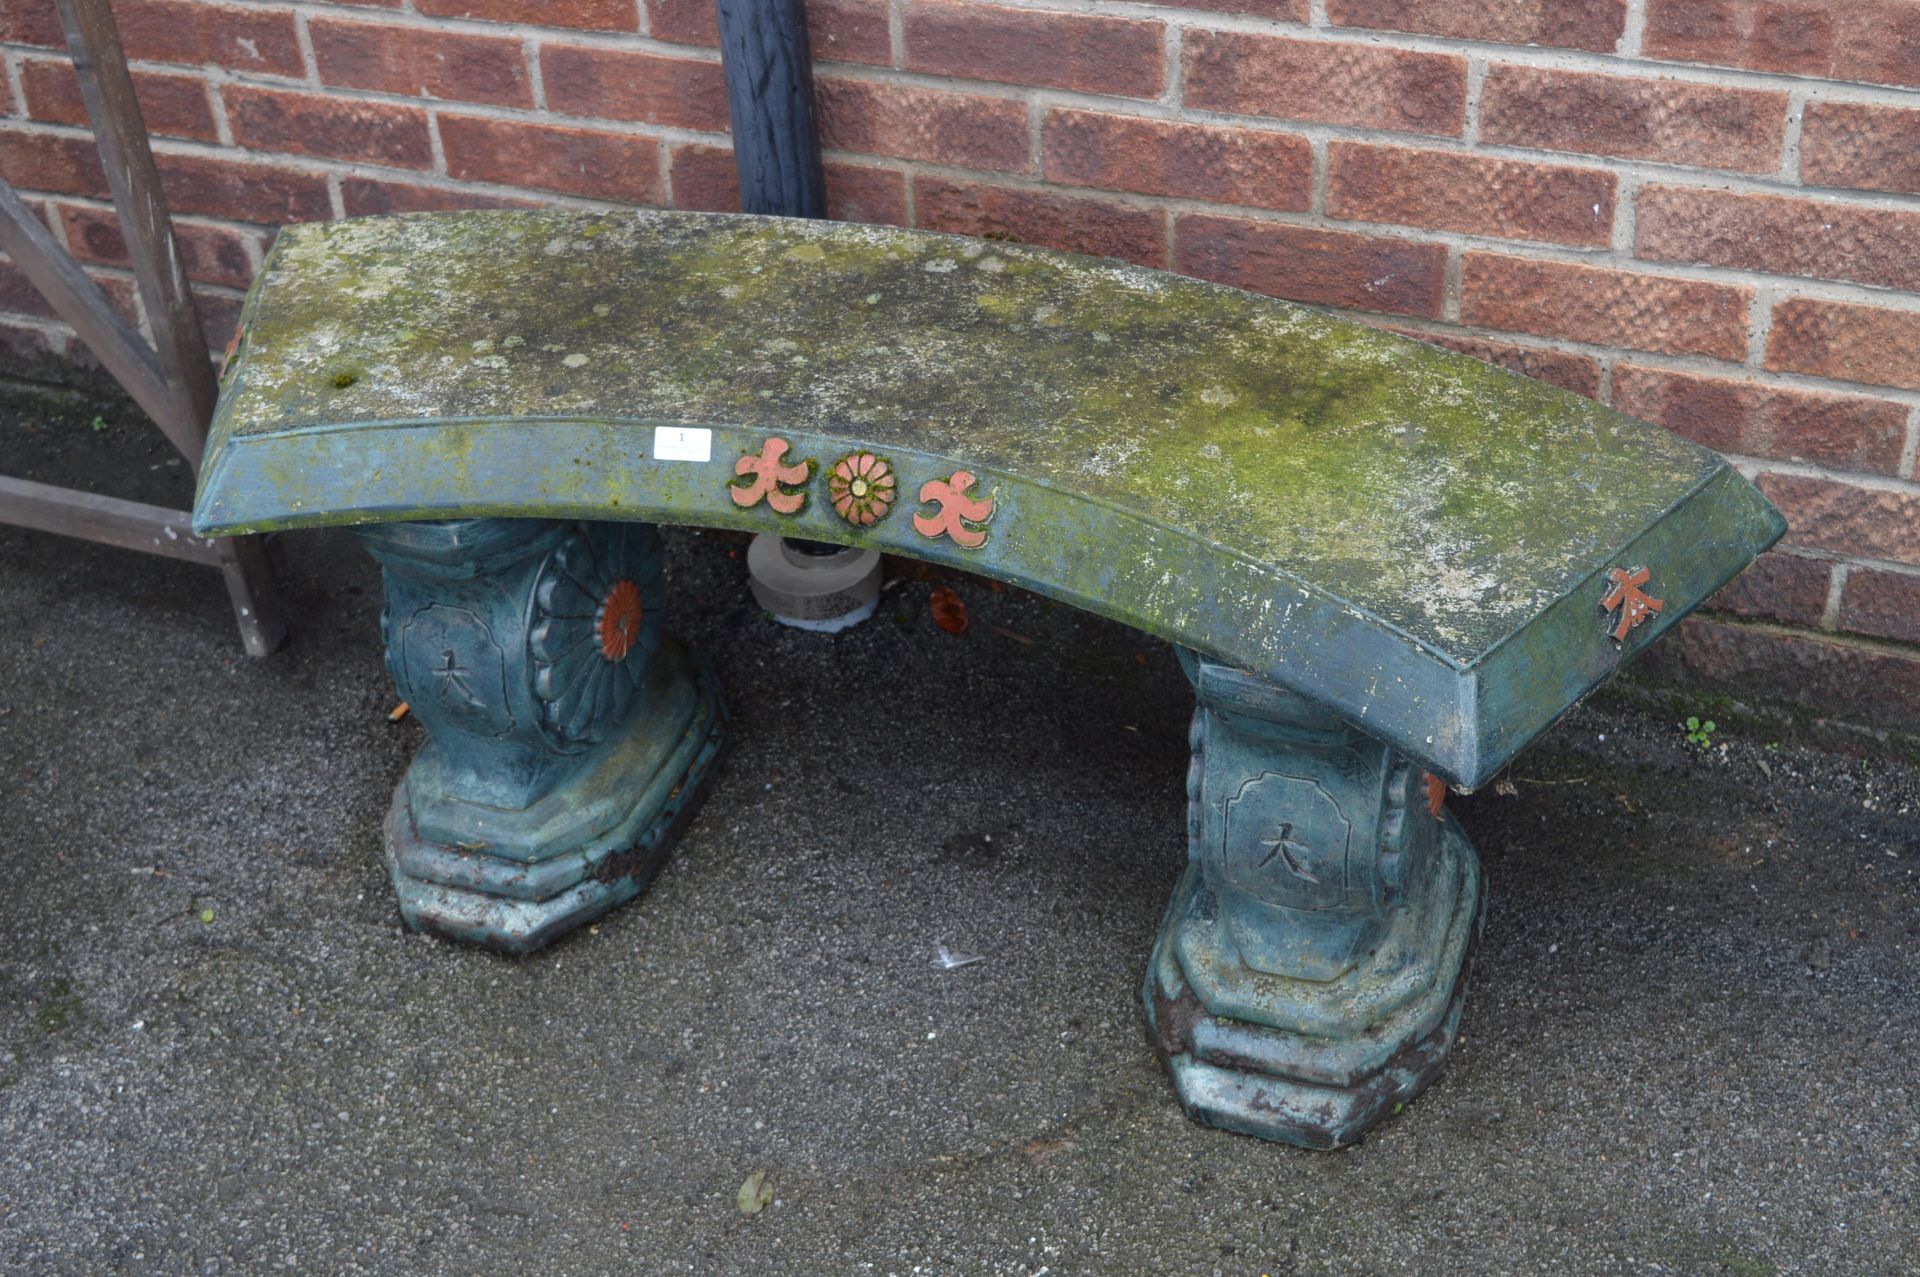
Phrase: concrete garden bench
pixel 1387 567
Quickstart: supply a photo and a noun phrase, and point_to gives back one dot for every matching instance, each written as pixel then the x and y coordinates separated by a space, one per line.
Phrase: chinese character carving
pixel 959 515
pixel 771 481
pixel 1627 598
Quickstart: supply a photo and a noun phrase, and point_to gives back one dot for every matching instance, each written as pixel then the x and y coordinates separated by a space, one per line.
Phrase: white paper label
pixel 678 443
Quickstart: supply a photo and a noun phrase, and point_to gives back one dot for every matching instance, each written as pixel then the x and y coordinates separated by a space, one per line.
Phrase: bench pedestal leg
pixel 1309 973
pixel 568 737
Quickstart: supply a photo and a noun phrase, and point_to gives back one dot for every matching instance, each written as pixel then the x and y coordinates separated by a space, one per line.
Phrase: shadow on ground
pixel 1689 1047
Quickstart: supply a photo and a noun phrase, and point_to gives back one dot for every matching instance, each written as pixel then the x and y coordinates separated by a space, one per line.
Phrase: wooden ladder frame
pixel 172 379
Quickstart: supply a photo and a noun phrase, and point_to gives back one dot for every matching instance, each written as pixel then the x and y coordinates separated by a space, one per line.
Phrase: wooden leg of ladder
pixel 256 603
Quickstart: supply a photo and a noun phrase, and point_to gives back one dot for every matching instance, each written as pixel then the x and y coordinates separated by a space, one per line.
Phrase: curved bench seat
pixel 1379 560
pixel 1408 535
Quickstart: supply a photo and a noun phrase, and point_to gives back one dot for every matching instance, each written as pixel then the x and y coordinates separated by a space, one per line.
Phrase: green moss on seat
pixel 1136 425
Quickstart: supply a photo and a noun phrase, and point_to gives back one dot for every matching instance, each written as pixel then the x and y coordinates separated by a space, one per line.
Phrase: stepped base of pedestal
pixel 652 775
pixel 1306 1075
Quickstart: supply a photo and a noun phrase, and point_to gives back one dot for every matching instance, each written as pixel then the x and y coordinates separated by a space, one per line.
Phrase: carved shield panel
pixel 1285 841
pixel 453 670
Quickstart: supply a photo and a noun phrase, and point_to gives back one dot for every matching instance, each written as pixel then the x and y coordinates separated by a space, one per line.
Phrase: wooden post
pixel 173 379
pixel 776 149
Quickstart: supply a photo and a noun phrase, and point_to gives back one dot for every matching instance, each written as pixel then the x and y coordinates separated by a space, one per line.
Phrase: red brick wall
pixel 1706 212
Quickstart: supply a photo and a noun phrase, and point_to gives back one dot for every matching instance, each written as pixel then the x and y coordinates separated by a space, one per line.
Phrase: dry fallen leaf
pixel 1045 1152
pixel 754 1195
pixel 949 610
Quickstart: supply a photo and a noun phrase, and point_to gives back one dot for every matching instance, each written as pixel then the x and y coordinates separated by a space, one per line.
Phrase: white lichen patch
pixel 575 360
pixel 940 266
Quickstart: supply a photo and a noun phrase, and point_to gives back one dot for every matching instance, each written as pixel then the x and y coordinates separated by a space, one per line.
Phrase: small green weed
pixel 99 423
pixel 1699 732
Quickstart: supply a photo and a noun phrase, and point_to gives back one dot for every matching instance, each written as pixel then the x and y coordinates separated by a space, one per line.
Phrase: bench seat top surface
pixel 1255 478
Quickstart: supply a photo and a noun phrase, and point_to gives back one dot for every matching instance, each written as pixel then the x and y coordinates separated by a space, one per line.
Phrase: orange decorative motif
pixel 1436 795
pixel 861 488
pixel 771 479
pixel 619 622
pixel 226 360
pixel 1626 597
pixel 958 513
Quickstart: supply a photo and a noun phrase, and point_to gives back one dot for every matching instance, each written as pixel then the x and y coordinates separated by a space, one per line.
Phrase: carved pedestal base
pixel 1309 973
pixel 569 739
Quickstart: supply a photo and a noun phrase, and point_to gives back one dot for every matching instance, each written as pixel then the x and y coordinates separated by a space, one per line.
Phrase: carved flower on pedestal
pixel 595 628
pixel 860 486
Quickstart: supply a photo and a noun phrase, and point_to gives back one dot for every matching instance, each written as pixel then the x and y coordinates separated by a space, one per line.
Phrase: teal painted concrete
pixel 1311 968
pixel 554 777
pixel 1409 536
pixel 1379 559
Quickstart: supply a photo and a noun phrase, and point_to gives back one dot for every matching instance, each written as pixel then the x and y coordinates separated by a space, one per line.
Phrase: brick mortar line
pixel 304 39
pixel 1604 256
pixel 1842 638
pixel 1790 139
pixel 290 159
pixel 222 118
pixel 1734 181
pixel 1760 323
pixel 1540 56
pixel 452 186
pixel 253 230
pixel 206 70
pixel 1626 212
pixel 16 89
pixel 504 31
pixel 1321 176
pixel 51 327
pixel 642 20
pixel 1175 71
pixel 1634 34
pixel 126 273
pixel 1476 81
pixel 1727 180
pixel 436 146
pixel 1854 478
pixel 1702 365
pixel 1817 555
pixel 1909 464
pixel 536 79
pixel 896 35
pixel 1836 586
pixel 1607 257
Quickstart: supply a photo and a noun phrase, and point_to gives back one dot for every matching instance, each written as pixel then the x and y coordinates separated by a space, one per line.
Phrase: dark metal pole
pixel 776 148
pixel 763 47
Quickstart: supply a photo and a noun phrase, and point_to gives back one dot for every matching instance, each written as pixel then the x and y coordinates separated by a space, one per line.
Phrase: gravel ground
pixel 1689 1047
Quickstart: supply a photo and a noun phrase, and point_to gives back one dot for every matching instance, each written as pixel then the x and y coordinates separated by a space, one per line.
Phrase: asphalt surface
pixel 1690 1045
